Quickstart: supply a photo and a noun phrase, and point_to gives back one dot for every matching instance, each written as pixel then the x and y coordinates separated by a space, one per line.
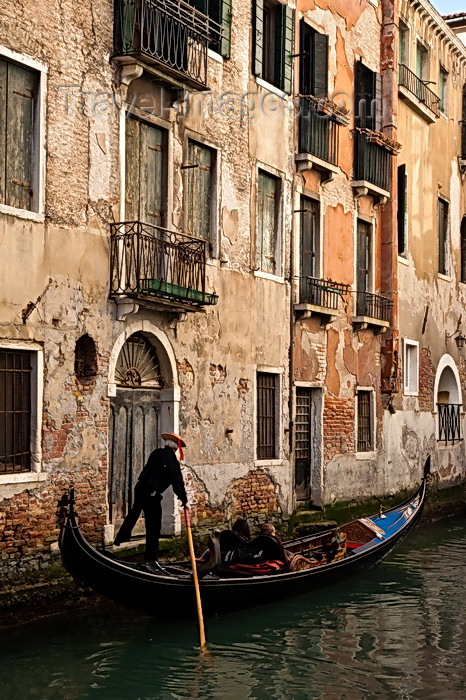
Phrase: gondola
pixel 170 591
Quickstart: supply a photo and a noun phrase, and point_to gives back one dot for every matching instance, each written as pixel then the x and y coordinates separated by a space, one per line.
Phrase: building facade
pixel 208 227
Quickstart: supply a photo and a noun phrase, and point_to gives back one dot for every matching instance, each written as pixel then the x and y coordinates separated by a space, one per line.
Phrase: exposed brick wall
pixel 426 381
pixel 339 437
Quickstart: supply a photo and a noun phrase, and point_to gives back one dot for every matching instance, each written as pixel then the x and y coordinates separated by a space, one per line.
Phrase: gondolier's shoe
pixel 152 566
pixel 214 560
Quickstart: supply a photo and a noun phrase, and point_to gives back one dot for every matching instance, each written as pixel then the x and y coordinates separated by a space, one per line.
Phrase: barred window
pixel 267 415
pixel 365 437
pixel 15 411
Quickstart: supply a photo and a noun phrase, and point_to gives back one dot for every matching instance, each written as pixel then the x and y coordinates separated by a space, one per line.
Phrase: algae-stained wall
pixel 336 356
pixel 432 300
pixel 54 286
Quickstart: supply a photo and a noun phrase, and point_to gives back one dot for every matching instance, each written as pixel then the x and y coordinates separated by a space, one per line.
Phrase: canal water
pixel 399 632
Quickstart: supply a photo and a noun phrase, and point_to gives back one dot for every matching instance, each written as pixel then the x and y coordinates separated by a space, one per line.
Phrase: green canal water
pixel 398 633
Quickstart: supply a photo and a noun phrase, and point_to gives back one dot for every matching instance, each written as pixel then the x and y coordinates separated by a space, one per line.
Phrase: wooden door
pixel 303 447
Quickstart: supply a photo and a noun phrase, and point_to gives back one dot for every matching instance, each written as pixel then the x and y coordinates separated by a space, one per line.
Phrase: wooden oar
pixel 195 578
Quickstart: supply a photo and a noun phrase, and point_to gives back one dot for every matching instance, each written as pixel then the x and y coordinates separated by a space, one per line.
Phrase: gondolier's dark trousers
pixel 151 506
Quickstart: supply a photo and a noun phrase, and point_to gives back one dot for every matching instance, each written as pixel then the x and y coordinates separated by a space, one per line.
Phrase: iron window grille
pixel 266 415
pixel 449 422
pixel 15 411
pixel 365 438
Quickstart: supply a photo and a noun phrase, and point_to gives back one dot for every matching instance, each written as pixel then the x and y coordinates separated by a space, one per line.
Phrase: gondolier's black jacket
pixel 161 471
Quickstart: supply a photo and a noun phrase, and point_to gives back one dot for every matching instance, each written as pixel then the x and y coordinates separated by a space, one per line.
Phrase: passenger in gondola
pixel 239 535
pixel 161 471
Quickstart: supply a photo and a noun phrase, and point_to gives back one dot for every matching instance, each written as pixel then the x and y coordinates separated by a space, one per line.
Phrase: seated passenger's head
pixel 267 529
pixel 242 528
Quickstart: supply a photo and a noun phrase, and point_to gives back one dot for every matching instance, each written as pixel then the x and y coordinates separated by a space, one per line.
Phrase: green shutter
pixel 3 90
pixel 401 211
pixel 199 190
pixel 132 170
pixel 225 21
pixel 259 37
pixel 320 65
pixel 22 85
pixel 151 174
pixel 284 36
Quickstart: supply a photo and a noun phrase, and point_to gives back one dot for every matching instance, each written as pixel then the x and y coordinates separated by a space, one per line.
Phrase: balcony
pixel 415 92
pixel 372 311
pixel 319 128
pixel 156 267
pixel 169 35
pixel 372 165
pixel 319 297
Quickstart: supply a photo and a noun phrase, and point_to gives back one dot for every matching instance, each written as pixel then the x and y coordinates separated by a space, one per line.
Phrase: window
pixel 443 90
pixel 442 236
pixel 145 178
pixel 365 439
pixel 19 182
pixel 411 367
pixel 403 44
pixel 15 411
pixel 267 416
pixel 200 169
pixel 220 12
pixel 313 73
pixel 363 267
pixel 310 237
pixel 463 251
pixel 273 43
pixel 402 210
pixel 463 125
pixel 267 236
pixel 368 98
pixel 422 62
pixel 85 360
pixel 449 404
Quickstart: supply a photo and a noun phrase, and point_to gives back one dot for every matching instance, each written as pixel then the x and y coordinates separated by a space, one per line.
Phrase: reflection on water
pixel 400 632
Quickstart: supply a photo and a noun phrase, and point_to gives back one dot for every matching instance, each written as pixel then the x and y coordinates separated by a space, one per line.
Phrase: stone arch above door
pixel 447 378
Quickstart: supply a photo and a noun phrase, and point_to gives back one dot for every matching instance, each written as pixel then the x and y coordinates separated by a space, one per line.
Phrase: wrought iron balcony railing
pixel 449 422
pixel 417 87
pixel 321 292
pixel 147 260
pixel 170 33
pixel 373 306
pixel 372 161
pixel 318 131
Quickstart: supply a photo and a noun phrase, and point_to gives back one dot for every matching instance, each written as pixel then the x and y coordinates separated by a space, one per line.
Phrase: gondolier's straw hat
pixel 179 441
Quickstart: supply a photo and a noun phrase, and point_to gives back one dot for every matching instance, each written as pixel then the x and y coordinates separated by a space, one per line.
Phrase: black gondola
pixel 170 591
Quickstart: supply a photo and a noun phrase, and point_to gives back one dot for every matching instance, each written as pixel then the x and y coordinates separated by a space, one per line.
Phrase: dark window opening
pixel 313 62
pixel 15 411
pixel 442 236
pixel 85 363
pixel 266 415
pixel 220 12
pixel 368 98
pixel 401 211
pixel 274 43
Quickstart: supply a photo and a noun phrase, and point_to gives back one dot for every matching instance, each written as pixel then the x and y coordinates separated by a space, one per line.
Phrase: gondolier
pixel 161 471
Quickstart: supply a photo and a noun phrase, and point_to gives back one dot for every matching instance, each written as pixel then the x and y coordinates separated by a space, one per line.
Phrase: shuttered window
pixel 365 437
pixel 199 192
pixel 15 411
pixel 442 236
pixel 18 98
pixel 401 211
pixel 273 43
pixel 309 237
pixel 266 415
pixel 145 175
pixel 364 256
pixel 368 98
pixel 313 62
pixel 267 239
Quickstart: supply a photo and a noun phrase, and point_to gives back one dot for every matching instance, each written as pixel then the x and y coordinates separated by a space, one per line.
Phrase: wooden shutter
pixel 258 37
pixel 363 256
pixel 320 65
pixel 309 233
pixel 376 103
pixel 401 211
pixel 442 235
pixel 132 178
pixel 463 125
pixel 220 12
pixel 365 94
pixel 151 174
pixel 3 90
pixel 283 50
pixel 199 190
pixel 266 235
pixel 305 58
pixel 21 89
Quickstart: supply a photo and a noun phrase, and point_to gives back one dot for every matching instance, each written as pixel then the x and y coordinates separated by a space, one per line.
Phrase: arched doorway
pixel 134 423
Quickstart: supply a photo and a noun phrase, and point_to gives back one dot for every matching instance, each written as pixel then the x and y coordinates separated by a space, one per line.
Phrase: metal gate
pixel 303 452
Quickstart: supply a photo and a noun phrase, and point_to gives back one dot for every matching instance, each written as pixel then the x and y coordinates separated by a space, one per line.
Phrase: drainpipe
pixel 388 218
